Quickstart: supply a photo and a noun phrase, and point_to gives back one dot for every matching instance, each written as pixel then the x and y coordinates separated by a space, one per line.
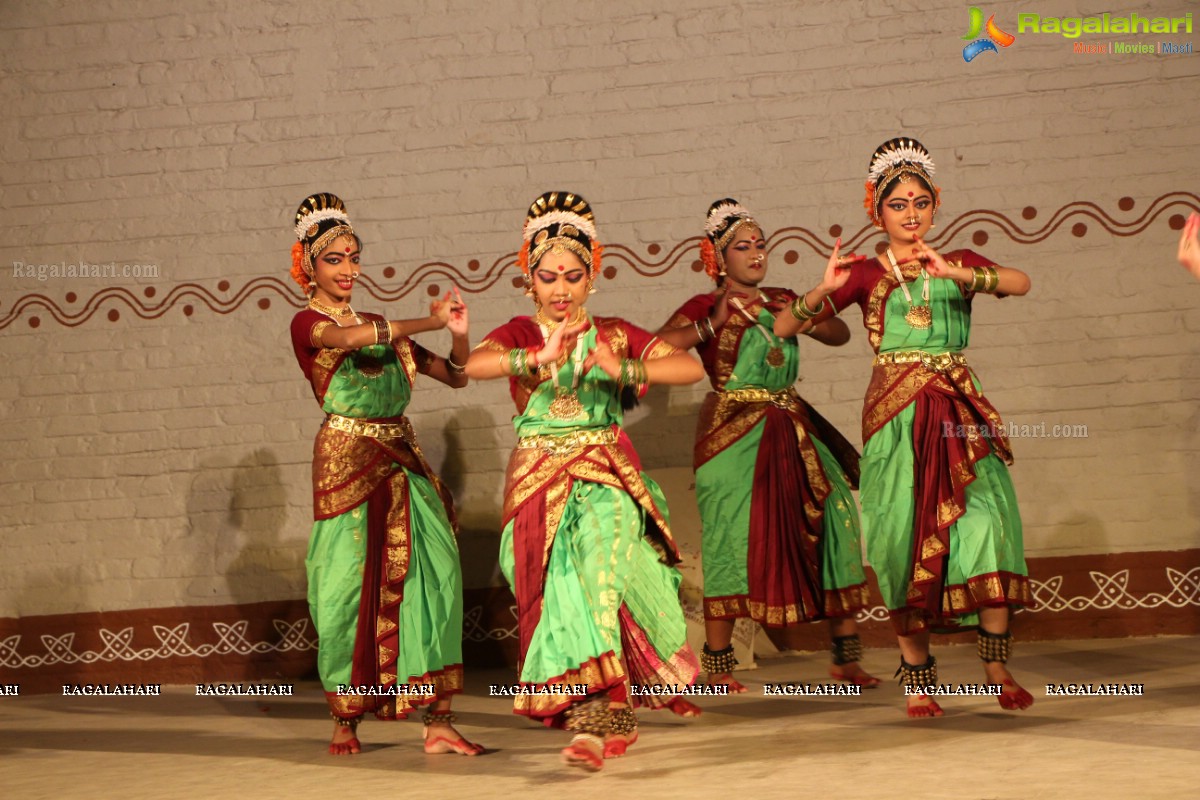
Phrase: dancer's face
pixel 746 256
pixel 907 211
pixel 336 269
pixel 560 284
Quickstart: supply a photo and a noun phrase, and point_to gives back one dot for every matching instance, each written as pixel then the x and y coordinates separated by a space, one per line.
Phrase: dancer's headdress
pixel 897 158
pixel 725 218
pixel 555 222
pixel 320 219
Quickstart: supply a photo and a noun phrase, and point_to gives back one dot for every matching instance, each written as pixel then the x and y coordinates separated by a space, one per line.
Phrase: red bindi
pixel 910 194
pixel 348 249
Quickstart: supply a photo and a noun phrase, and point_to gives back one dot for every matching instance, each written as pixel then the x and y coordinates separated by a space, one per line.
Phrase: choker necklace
pixel 547 325
pixel 774 351
pixel 329 311
pixel 919 317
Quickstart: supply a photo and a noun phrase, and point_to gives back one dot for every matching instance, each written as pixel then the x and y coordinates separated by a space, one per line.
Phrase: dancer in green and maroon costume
pixel 780 536
pixel 939 512
pixel 587 544
pixel 384 580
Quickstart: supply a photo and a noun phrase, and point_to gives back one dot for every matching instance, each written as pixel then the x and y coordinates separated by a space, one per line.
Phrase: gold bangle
pixel 455 369
pixel 978 279
pixel 802 312
pixel 383 331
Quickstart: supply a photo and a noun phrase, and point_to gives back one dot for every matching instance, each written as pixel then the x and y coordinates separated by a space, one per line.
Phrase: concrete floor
pixel 751 746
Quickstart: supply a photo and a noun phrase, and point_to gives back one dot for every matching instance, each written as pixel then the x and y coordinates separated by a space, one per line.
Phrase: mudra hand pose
pixel 586 546
pixel 384 580
pixel 938 509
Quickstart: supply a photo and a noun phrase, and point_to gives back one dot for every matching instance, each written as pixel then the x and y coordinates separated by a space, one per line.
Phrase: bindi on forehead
pixel 910 194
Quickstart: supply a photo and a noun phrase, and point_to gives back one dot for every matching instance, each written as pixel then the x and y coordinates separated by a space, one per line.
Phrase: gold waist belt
pixel 560 444
pixel 784 398
pixel 374 430
pixel 939 362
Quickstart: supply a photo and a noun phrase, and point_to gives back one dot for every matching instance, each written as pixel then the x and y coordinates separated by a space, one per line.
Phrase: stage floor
pixel 749 746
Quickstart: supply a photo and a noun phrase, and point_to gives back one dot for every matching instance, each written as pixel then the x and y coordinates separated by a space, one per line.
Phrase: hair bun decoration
pixel 559 221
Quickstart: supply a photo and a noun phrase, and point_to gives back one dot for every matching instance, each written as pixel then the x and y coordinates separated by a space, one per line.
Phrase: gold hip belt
pixel 784 398
pixel 374 430
pixel 561 444
pixel 935 362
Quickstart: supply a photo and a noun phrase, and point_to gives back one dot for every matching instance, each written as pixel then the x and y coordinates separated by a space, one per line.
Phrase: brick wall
pixel 158 446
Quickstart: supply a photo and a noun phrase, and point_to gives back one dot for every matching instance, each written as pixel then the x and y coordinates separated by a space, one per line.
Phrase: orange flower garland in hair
pixel 297 272
pixel 523 259
pixel 708 255
pixel 597 252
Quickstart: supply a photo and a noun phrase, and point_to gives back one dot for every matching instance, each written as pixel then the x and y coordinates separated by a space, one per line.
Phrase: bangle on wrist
pixel 455 369
pixel 800 310
pixel 518 361
pixel 633 374
pixel 383 331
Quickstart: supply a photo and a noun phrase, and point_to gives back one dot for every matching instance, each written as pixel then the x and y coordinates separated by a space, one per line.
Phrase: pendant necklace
pixel 919 317
pixel 774 351
pixel 566 406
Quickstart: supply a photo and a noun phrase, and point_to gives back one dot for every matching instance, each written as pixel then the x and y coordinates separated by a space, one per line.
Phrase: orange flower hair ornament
pixel 297 272
pixel 708 256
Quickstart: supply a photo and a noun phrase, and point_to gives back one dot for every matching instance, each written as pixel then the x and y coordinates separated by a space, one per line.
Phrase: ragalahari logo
pixel 994 37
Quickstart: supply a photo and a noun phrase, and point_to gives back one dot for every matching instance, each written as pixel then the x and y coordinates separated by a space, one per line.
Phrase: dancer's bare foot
pixel 616 744
pixel 922 705
pixel 622 732
pixel 441 737
pixel 725 679
pixel 585 752
pixel 853 674
pixel 1013 697
pixel 682 708
pixel 345 740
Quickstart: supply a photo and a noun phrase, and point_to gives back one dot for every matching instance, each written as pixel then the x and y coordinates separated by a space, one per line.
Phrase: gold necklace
pixel 565 406
pixel 919 317
pixel 330 311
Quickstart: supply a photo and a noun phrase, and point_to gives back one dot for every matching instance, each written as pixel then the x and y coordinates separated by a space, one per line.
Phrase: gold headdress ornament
pixel 725 218
pixel 557 222
pixel 893 159
pixel 320 219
